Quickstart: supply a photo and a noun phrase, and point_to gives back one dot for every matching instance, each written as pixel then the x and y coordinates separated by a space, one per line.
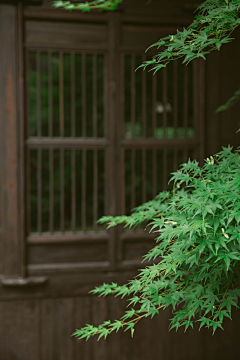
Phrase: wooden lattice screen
pixel 76 151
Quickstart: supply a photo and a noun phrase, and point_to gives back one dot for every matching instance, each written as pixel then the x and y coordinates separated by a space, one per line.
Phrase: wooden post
pixel 9 114
pixel 12 236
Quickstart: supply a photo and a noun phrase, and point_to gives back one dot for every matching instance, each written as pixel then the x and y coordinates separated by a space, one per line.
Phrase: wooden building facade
pixel 83 135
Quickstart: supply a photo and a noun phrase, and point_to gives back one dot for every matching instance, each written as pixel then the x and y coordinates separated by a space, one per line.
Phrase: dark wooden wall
pixel 41 329
pixel 222 80
pixel 36 322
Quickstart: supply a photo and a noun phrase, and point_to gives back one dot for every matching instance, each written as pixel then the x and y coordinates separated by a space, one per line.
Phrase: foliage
pixel 196 259
pixel 211 28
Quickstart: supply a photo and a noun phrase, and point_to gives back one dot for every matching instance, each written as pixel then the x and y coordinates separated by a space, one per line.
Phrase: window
pixel 82 162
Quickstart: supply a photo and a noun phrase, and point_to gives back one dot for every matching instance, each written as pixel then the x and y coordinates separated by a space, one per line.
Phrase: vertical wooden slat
pixel 154 172
pixel 99 313
pixel 95 189
pixel 122 99
pixel 106 176
pixel 175 161
pixel 27 131
pixel 73 154
pixel 84 175
pixel 133 179
pixel 61 97
pixel 185 155
pixel 185 100
pixel 94 96
pixel 50 95
pixel 83 350
pixel 175 97
pixel 144 105
pixel 39 192
pixel 164 102
pixel 51 190
pixel 62 217
pixel 84 95
pixel 30 333
pixel 195 109
pixel 115 348
pixel 133 98
pixel 63 329
pixel 165 169
pixel 48 319
pixel 73 160
pixel 154 100
pixel 28 195
pixel 50 132
pixel 144 175
pixel 73 107
pixel 39 127
pixel 105 92
pixel 123 185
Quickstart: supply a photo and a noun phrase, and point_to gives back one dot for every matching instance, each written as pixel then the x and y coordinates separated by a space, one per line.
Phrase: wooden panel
pixel 64 329
pixel 64 34
pixel 30 333
pixel 67 253
pixel 99 314
pixel 82 315
pixel 47 330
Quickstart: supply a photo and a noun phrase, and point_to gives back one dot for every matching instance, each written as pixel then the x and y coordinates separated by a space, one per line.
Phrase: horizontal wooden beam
pixel 24 2
pixel 72 284
pixel 158 143
pixel 33 143
pixel 67 239
pixel 23 282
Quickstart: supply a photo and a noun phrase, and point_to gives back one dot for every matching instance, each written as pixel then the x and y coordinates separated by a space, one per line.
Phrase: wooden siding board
pixel 64 328
pixel 47 332
pixel 43 327
pixel 114 347
pixel 31 327
pixel 99 315
pixel 82 315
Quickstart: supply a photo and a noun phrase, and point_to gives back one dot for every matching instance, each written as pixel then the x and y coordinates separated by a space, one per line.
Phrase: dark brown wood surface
pixel 41 329
pixel 36 321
